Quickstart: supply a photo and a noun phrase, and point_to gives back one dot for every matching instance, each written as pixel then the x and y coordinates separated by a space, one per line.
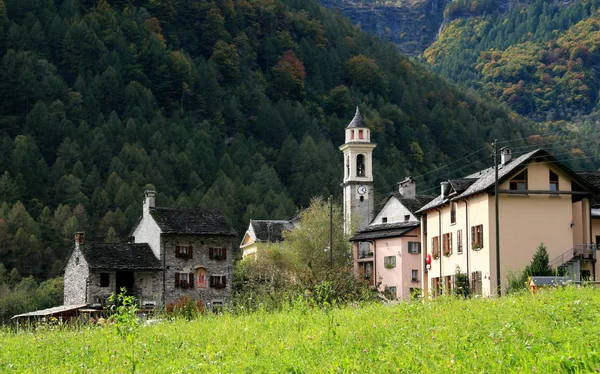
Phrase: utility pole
pixel 331 233
pixel 499 285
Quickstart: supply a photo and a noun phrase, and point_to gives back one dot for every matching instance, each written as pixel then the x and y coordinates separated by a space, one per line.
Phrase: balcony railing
pixel 365 254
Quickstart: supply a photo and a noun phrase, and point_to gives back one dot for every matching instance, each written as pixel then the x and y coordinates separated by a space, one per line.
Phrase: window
pixel 519 183
pixel 351 134
pixel 104 280
pixel 448 284
pixel 216 306
pixel 348 166
pixel 435 246
pixel 406 217
pixel 415 275
pixel 362 198
pixel 218 254
pixel 435 286
pixel 360 166
pixel 393 291
pixel 218 281
pixel 183 251
pixel 367 271
pixel 453 213
pixel 201 278
pixel 77 260
pixel 361 134
pixel 414 247
pixel 476 284
pixel 184 280
pixel 384 220
pixel 553 181
pixel 477 237
pixel 447 244
pixel 459 242
pixel 389 262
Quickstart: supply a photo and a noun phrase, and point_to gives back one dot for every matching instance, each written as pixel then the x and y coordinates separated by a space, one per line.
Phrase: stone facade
pixel 199 264
pixel 76 275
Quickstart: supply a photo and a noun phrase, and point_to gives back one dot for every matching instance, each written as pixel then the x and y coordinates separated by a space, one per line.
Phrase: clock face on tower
pixel 362 189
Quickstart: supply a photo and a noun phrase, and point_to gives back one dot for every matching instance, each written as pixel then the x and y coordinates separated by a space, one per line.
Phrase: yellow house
pixel 540 200
pixel 264 231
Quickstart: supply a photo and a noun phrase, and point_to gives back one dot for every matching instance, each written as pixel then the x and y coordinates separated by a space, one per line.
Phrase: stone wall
pixel 76 275
pixel 200 258
pixel 147 286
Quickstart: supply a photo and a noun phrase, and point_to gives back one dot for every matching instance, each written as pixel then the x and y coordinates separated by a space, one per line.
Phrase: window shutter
pixel 211 281
pixel 176 279
pixel 177 253
pixel 419 247
pixel 191 280
pixel 224 256
pixel 481 235
pixel 224 281
pixel 450 242
pixel 190 252
pixel 472 235
pixel 211 252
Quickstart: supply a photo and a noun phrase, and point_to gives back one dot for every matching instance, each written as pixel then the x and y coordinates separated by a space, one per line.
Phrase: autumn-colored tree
pixel 364 72
pixel 289 76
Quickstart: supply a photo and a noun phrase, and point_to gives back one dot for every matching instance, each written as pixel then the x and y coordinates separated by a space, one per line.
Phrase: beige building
pixel 264 231
pixel 388 251
pixel 540 200
pixel 594 179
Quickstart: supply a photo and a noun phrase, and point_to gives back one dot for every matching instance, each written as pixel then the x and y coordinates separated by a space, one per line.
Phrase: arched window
pixel 360 165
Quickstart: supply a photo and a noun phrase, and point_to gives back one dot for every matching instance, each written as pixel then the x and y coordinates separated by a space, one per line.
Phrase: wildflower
pixel 365 350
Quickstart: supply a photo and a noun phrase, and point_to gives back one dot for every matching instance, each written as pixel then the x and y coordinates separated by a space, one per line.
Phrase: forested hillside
pixel 233 104
pixel 542 58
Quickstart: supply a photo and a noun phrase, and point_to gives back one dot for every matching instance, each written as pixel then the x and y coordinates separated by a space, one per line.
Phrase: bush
pixel 186 307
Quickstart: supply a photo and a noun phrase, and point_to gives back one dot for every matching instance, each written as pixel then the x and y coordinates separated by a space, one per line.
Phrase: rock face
pixel 411 25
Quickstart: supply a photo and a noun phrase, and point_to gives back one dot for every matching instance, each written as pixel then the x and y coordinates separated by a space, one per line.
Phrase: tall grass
pixel 552 331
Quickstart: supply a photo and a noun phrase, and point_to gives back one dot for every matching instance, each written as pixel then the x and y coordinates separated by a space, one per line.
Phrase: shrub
pixel 185 307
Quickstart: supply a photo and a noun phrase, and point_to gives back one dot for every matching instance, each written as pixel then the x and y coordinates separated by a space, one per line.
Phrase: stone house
pixel 173 252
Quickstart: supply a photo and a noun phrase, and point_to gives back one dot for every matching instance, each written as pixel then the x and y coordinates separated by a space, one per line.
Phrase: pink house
pixel 388 250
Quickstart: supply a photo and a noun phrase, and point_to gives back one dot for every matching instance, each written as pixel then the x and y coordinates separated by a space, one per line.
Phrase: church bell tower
pixel 358 174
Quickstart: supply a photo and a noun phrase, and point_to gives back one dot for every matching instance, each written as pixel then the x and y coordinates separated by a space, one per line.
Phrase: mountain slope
pixel 235 105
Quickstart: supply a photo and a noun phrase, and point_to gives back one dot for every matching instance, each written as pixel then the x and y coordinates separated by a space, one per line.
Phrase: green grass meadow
pixel 549 332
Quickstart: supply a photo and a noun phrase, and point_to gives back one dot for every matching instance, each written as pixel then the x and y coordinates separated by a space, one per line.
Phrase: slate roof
pixel 191 221
pixel 385 230
pixel 120 256
pixel 593 178
pixel 357 121
pixel 483 180
pixel 413 205
pixel 271 230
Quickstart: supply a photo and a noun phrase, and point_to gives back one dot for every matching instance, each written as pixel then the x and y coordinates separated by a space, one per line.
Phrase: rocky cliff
pixel 412 25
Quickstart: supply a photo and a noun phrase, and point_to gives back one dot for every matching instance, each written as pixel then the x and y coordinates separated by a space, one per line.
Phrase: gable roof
pixel 119 256
pixel 483 180
pixel 191 221
pixel 413 205
pixel 385 230
pixel 271 230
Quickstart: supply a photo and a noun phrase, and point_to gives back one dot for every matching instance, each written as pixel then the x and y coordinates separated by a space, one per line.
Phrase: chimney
pixel 445 186
pixel 505 155
pixel 408 188
pixel 149 202
pixel 79 239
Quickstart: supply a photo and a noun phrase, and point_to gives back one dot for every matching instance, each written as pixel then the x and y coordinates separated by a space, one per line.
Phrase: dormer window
pixel 360 165
pixel 519 183
pixel 361 134
pixel 406 217
pixel 553 181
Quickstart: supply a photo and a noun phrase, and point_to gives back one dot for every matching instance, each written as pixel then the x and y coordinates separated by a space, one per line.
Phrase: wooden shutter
pixel 191 280
pixel 211 281
pixel 177 253
pixel 418 247
pixel 176 279
pixel 223 281
pixel 450 242
pixel 224 254
pixel 481 235
pixel 211 253
pixel 472 236
pixel 190 252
